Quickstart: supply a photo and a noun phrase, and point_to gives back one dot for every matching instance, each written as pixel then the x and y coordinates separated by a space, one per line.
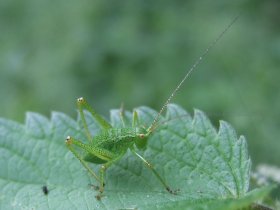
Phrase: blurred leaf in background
pixel 135 52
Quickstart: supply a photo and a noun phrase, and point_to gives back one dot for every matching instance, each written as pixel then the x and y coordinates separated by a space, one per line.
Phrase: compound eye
pixel 141 135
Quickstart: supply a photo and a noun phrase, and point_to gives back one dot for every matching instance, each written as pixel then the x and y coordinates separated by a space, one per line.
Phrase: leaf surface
pixel 206 165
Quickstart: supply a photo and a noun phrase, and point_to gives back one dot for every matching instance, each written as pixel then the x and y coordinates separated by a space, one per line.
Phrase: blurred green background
pixel 135 52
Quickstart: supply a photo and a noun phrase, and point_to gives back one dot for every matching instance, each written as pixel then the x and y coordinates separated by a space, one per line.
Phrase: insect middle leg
pixel 102 174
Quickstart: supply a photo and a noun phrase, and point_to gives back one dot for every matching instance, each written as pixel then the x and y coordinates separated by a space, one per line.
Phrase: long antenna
pixel 197 62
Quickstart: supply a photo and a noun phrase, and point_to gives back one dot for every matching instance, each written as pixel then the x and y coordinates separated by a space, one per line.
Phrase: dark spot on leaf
pixel 45 190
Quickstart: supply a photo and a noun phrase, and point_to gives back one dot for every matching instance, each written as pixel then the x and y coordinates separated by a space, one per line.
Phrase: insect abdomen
pixel 116 140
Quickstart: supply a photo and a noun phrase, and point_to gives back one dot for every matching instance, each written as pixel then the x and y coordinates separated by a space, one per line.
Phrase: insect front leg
pixel 150 166
pixel 142 142
pixel 82 104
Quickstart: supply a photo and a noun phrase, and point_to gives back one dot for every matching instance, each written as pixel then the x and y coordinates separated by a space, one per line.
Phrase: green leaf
pixel 211 168
pixel 218 204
